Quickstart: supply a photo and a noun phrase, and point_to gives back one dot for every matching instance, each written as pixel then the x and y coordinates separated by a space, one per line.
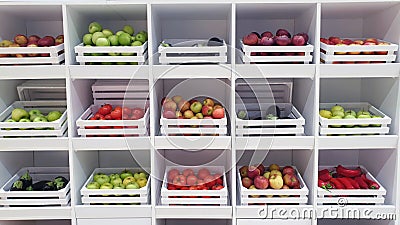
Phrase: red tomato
pixel 125 116
pixel 91 127
pixel 191 179
pixel 105 109
pixel 108 117
pixel 203 173
pixel 97 116
pixel 118 108
pixel 187 172
pixel 116 113
pixel 126 111
pixel 138 112
pixel 172 174
pixel 179 180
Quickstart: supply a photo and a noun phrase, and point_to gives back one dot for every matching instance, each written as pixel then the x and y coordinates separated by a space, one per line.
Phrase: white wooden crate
pixel 353 196
pixel 36 198
pixel 194 197
pixel 55 55
pixel 140 53
pixel 292 126
pixel 325 124
pixel 328 53
pixel 57 128
pixel 115 196
pixel 305 57
pixel 130 127
pixel 182 51
pixel 194 127
pixel 271 196
pixel 40 90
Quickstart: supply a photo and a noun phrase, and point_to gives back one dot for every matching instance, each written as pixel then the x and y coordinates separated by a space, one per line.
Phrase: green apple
pixel 349 117
pixel 364 116
pixel 95 27
pixel 120 32
pixel 144 33
pixel 128 29
pixel 107 63
pixel 103 179
pixel 87 39
pixel 325 113
pixel 336 118
pixel 40 119
pixel 120 186
pixel 18 114
pixel 114 176
pixel 102 42
pixel 196 107
pixel 140 37
pixel 137 43
pixel 53 116
pixel 132 185
pixel 128 180
pixel 107 32
pixel 116 181
pixel 133 38
pixel 362 112
pixel 24 121
pixel 336 108
pixel 350 112
pixel 33 117
pixel 338 113
pixel 376 117
pixel 142 182
pixel 140 175
pixel 124 39
pixel 106 186
pixel 113 39
pixel 93 185
pixel 126 173
pixel 97 175
pixel 96 36
pixel 242 114
pixel 35 112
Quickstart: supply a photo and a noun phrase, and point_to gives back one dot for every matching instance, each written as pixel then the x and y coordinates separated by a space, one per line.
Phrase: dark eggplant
pixel 17 186
pixel 26 180
pixel 61 179
pixel 214 41
pixel 44 185
pixel 29 188
pixel 274 110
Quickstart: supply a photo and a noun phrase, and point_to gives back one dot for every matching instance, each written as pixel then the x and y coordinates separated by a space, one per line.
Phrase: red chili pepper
pixel 324 175
pixel 337 183
pixel 353 183
pixel 324 185
pixel 348 172
pixel 361 182
pixel 371 184
pixel 346 183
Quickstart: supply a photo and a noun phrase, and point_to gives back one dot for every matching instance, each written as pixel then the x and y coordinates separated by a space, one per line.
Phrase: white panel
pixel 112 159
pixel 141 221
pixel 339 90
pixel 51 159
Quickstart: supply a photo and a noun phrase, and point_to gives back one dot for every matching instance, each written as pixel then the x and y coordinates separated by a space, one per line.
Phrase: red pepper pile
pixel 345 178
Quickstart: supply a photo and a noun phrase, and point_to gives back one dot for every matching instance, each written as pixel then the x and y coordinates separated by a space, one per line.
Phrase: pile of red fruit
pixel 178 108
pixel 347 42
pixel 21 40
pixel 259 177
pixel 345 178
pixel 282 38
pixel 188 180
pixel 107 112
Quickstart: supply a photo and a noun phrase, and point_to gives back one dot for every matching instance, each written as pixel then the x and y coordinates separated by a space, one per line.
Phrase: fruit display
pixel 282 119
pixel 193 51
pixel 193 117
pixel 112 121
pixel 260 184
pixel 352 118
pixel 258 48
pixel 34 118
pixel 116 185
pixel 48 49
pixel 348 181
pixel 338 50
pixel 37 186
pixel 183 185
pixel 115 45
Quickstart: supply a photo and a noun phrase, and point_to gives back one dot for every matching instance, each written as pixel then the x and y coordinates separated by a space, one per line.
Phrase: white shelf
pixel 33 72
pixel 192 142
pixel 109 72
pixel 359 70
pixel 34 144
pixel 36 213
pixel 191 71
pixel 111 143
pixel 112 211
pixel 275 143
pixel 194 212
pixel 275 71
pixel 357 142
pixel 365 212
pixel 270 211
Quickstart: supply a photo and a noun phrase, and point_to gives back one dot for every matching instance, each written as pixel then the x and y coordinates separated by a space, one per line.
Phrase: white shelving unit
pixel 313 84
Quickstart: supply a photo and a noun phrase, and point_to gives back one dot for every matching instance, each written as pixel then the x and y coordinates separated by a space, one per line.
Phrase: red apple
pixel 340 53
pixel 46 41
pixel 207 110
pixel 261 168
pixel 170 105
pixel 288 170
pixel 354 53
pixel 164 100
pixel 32 45
pixel 335 40
pixel 203 173
pixel 188 114
pixel 371 52
pixel 137 112
pixel 373 40
pixel 324 40
pixel 347 41
pixel 253 172
pixel 267 34
pixel 261 182
pixel 21 40
pixel 290 180
pixel 172 174
pixel 218 113
pixel 168 114
pixel 33 38
pixel 250 39
pixel 193 101
pixel 360 42
pixel 209 102
pixel 247 182
pixel 243 171
pixel 382 52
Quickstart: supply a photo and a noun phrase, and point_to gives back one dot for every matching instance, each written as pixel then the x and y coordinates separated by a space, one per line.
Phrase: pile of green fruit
pixel 98 36
pixel 34 115
pixel 24 183
pixel 124 180
pixel 338 112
